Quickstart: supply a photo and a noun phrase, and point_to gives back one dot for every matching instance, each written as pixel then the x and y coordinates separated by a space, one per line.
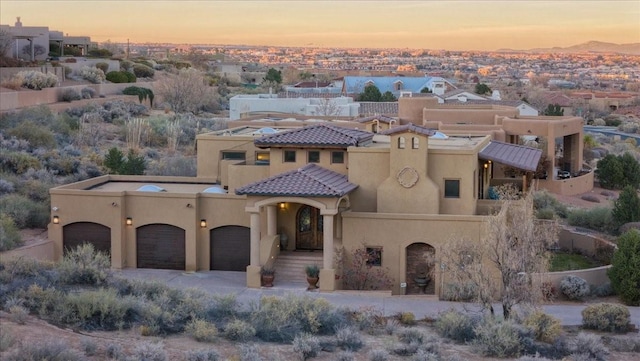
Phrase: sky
pixel 419 24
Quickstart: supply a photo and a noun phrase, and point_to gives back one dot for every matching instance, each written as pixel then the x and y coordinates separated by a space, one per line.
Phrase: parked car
pixel 563 174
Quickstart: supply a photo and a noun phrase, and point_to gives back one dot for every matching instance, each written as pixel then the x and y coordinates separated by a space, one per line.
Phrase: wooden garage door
pixel 160 246
pixel 230 248
pixel 75 234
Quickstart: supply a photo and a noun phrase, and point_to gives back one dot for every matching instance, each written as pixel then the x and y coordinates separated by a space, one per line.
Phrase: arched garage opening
pixel 76 234
pixel 160 246
pixel 230 248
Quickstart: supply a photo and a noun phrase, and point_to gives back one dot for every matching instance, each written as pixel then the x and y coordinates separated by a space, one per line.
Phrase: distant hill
pixel 590 46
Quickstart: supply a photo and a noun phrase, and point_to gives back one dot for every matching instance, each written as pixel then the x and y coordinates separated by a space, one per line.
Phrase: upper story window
pixel 452 188
pixel 397 85
pixel 313 156
pixel 401 143
pixel 415 142
pixel 234 155
pixel 289 156
pixel 263 158
pixel 337 157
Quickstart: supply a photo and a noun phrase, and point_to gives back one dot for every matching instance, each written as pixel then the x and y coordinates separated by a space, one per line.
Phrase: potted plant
pixel 313 275
pixel 267 274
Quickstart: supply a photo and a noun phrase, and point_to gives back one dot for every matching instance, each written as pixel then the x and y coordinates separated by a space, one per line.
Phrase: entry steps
pixel 290 265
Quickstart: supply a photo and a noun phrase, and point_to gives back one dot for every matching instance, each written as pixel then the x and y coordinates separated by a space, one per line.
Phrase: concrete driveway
pixel 223 282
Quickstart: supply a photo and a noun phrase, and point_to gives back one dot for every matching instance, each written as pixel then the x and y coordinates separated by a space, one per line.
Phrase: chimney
pixel 18 23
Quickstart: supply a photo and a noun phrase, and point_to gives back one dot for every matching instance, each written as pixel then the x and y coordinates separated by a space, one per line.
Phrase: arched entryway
pixel 420 262
pixel 309 228
pixel 160 246
pixel 230 248
pixel 76 234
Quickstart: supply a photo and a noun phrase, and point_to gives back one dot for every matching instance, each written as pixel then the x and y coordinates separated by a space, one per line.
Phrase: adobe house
pixel 328 189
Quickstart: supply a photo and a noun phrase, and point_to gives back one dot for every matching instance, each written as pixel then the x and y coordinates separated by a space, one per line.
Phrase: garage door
pixel 160 246
pixel 75 234
pixel 230 248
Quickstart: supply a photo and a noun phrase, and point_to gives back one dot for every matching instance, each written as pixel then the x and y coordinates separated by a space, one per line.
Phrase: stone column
pixel 327 273
pixel 255 239
pixel 272 219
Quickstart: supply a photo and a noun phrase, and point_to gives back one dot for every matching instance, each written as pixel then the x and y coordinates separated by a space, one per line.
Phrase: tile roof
pixel 308 181
pixel 356 84
pixel 380 118
pixel 410 128
pixel 320 135
pixel 514 155
pixel 372 108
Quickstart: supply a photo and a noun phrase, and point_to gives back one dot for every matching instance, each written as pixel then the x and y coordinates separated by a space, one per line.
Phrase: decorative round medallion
pixel 407 177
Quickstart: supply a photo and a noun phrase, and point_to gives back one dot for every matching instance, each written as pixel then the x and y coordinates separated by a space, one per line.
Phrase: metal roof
pixel 514 155
pixel 320 135
pixel 308 181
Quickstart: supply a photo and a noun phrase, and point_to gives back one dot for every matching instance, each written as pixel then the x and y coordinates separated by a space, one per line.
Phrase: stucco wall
pixel 210 152
pixel 569 187
pixel 42 251
pixel 371 170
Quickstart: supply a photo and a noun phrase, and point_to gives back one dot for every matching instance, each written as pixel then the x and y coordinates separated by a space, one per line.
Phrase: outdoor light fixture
pixel 129 221
pixel 486 165
pixel 282 206
pixel 56 220
pixel 203 223
pixel 189 205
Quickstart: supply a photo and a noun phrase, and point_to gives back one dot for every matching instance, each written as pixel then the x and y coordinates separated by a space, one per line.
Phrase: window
pixel 262 158
pixel 374 256
pixel 313 156
pixel 401 143
pixel 337 157
pixel 452 188
pixel 234 155
pixel 289 156
pixel 415 142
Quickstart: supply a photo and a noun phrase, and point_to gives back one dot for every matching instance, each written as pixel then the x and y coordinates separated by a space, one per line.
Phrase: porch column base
pixel 327 280
pixel 253 277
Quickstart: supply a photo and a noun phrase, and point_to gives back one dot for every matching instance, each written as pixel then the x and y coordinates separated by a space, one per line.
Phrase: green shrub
pixel 238 330
pixel 131 77
pixel 545 213
pixel 456 325
pixel 201 330
pixel 88 93
pixel 598 218
pixel 623 343
pixel 18 314
pixel 118 77
pixel 545 328
pixel 142 93
pixel 349 339
pixel 587 346
pixel 50 350
pixel 626 208
pixel 574 287
pixel 498 338
pixel 103 66
pixel 103 309
pixel 306 346
pixel 9 235
pixel 545 200
pixel 69 95
pixel 143 71
pixel 35 134
pixel 84 265
pixel 25 212
pixel 625 268
pixel 18 162
pixel 459 291
pixel 407 318
pixel 606 317
pixel 410 335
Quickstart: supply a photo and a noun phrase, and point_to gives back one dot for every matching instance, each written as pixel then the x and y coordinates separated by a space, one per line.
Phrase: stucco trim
pixel 324 210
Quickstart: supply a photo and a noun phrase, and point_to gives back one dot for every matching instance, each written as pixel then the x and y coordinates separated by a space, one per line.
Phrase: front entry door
pixel 309 228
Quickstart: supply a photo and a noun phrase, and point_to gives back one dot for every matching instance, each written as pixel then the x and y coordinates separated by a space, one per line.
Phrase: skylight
pixel 151 188
pixel 215 189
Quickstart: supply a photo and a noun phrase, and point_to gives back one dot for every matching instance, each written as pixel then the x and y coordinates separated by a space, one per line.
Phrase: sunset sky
pixel 439 24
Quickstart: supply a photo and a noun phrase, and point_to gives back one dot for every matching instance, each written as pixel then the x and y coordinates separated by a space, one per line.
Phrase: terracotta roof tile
pixel 514 155
pixel 380 118
pixel 308 181
pixel 410 128
pixel 321 135
pixel 372 108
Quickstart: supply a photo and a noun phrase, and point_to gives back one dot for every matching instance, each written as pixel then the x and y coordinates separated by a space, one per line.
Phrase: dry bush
pixel 606 317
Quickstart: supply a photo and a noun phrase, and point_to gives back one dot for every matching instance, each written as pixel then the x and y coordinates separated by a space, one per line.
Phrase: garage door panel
pixel 160 246
pixel 230 248
pixel 76 234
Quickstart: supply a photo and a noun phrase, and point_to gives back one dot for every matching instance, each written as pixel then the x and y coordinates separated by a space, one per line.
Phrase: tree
pixel 625 268
pixel 116 162
pixel 425 90
pixel 100 53
pixel 186 91
pixel 627 207
pixel 37 50
pixel 371 93
pixel 328 108
pixel 554 110
pixel 631 170
pixel 515 245
pixel 617 172
pixel 482 88
pixel 273 78
pixel 388 97
pixel 6 42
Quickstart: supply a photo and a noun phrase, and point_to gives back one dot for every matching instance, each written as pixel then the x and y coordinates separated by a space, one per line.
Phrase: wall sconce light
pixel 129 221
pixel 189 205
pixel 203 223
pixel 56 220
pixel 486 165
pixel 55 209
pixel 114 204
pixel 282 206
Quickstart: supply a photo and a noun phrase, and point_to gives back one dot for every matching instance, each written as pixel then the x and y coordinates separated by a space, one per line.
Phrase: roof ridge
pixel 317 179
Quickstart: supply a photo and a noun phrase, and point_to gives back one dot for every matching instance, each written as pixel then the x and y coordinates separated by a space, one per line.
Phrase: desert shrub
pixel 306 346
pixel 590 198
pixel 203 355
pixel 201 330
pixel 50 350
pixel 623 343
pixel 545 328
pixel 545 200
pixel 625 268
pixel 70 94
pixel 599 122
pixel 36 135
pixel 18 314
pixel 92 75
pixel 250 352
pixel 37 80
pixel 532 358
pixel 7 338
pixel 223 307
pixel 545 213
pixel 574 287
pixel 143 71
pixel 148 351
pixel 84 265
pixel 126 65
pixel 6 187
pixel 407 318
pixel 9 235
pixel 606 317
pixel 173 166
pixel 102 309
pixel 239 330
pixel 465 291
pixel 114 351
pixel 117 77
pixel 89 346
pixel 404 349
pixel 67 70
pixel 103 66
pixel 349 338
pixel 497 338
pixel 391 325
pixel 423 355
pixel 456 325
pixel 378 355
pixel 88 93
pixel 603 290
pixel 369 318
pixel 588 347
pixel 345 356
pixel 598 218
pixel 18 162
pixel 410 335
pixel 25 212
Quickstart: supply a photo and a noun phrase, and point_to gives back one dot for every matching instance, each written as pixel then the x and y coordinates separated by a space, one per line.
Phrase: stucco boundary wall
pixel 13 100
pixel 568 187
pixel 42 251
pixel 594 276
